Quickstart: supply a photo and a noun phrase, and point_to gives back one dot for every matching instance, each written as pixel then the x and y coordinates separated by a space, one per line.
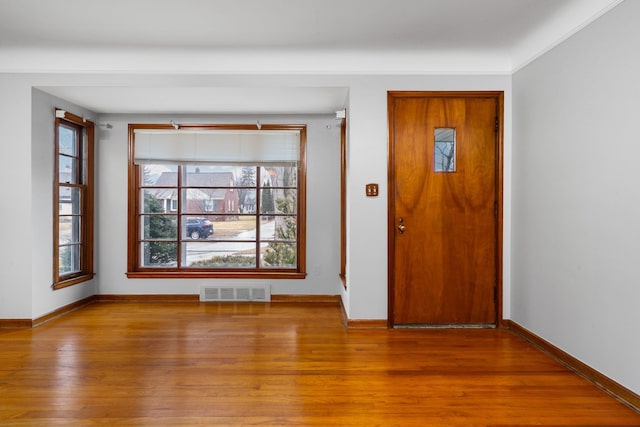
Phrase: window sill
pixel 215 275
pixel 73 281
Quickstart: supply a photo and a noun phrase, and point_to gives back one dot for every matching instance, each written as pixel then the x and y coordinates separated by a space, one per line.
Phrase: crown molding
pixel 567 22
pixel 250 62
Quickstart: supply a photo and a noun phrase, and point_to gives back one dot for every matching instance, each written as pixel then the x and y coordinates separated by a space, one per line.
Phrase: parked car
pixel 199 228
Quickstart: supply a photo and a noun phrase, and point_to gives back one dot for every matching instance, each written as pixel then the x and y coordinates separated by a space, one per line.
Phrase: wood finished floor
pixel 285 364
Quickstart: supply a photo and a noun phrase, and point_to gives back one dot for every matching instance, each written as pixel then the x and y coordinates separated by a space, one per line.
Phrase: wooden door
pixel 444 208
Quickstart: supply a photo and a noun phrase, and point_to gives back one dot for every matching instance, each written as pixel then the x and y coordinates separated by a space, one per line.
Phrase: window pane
pixel 445 150
pixel 69 229
pixel 159 175
pixel 159 254
pixel 278 200
pixel 67 141
pixel 219 254
pixel 67 168
pixel 246 177
pixel 69 200
pixel 209 176
pixel 281 176
pixel 159 227
pixel 196 227
pixel 232 228
pixel 207 200
pixel 68 259
pixel 279 255
pixel 246 200
pixel 280 228
pixel 159 200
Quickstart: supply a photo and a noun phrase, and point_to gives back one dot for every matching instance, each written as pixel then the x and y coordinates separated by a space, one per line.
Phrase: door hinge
pixel 497 125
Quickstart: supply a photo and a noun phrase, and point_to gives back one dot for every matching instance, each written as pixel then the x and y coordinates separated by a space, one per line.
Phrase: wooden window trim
pixel 86 129
pixel 133 258
pixel 343 202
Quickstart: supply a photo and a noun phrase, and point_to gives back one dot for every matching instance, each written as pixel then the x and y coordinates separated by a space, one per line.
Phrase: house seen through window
pixel 212 202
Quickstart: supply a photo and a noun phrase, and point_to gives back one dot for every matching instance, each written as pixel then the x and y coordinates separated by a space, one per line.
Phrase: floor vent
pixel 236 293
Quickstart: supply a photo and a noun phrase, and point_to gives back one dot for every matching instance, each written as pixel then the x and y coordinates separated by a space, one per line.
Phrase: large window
pixel 217 201
pixel 73 200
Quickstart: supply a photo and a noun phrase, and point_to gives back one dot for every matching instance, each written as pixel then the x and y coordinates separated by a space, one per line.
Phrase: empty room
pixel 352 213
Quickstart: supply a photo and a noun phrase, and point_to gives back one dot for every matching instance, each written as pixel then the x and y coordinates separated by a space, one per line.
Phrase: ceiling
pixel 260 37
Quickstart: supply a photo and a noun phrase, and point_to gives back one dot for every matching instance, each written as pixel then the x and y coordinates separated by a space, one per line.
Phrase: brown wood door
pixel 444 212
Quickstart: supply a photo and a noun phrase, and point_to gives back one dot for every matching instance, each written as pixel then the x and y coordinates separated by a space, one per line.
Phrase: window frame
pixel 343 202
pixel 134 268
pixel 85 135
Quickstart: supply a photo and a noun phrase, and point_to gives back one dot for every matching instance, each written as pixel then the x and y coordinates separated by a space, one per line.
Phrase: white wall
pixel 576 198
pixel 323 201
pixel 15 217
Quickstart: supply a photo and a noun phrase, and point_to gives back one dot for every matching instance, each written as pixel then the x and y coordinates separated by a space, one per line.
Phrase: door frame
pixel 391 234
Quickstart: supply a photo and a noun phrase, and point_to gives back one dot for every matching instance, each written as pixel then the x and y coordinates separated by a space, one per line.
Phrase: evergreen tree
pixel 266 202
pixel 247 179
pixel 159 227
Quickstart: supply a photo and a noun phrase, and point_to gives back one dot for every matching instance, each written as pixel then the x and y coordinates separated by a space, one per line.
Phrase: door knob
pixel 401 225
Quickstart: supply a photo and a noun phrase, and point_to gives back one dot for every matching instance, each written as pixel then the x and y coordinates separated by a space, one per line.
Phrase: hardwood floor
pixel 287 364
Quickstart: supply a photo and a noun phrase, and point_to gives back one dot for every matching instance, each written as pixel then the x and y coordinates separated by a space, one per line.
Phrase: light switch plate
pixel 372 190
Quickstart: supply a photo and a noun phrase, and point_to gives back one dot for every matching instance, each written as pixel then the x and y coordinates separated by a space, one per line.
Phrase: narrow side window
pixel 72 200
